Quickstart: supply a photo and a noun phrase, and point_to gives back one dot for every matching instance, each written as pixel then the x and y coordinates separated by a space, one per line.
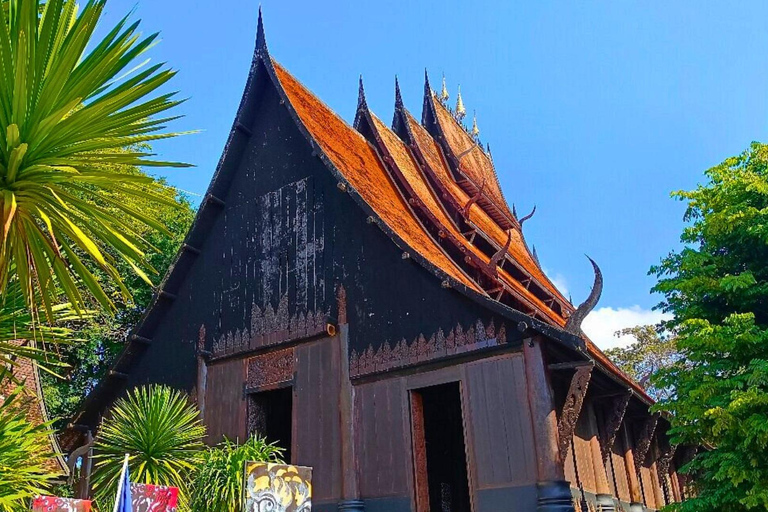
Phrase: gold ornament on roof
pixel 444 93
pixel 461 112
pixel 475 129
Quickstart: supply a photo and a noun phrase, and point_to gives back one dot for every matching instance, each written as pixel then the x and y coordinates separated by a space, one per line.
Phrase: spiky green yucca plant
pixel 25 451
pixel 218 482
pixel 70 120
pixel 162 433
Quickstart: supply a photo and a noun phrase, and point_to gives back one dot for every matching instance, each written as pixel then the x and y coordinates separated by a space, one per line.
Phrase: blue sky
pixel 595 111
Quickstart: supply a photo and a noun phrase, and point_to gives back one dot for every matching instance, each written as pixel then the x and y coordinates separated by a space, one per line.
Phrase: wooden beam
pixel 141 339
pixel 215 200
pixel 571 365
pixel 167 295
pixel 118 375
pixel 243 129
pixel 189 248
pixel 572 408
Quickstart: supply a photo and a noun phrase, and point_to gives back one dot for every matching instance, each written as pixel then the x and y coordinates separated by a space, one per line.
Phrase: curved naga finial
pixel 497 257
pixel 573 325
pixel 528 216
pixel 472 200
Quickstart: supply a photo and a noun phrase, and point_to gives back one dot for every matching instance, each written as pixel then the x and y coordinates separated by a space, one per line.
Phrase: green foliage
pixel 652 350
pixel 74 116
pixel 102 338
pixel 25 451
pixel 717 289
pixel 160 430
pixel 218 483
pixel 23 337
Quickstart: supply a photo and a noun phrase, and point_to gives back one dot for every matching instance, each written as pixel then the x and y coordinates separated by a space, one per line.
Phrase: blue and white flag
pixel 123 500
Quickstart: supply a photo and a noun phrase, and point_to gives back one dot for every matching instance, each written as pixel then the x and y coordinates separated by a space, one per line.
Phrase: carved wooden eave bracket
pixel 493 265
pixel 643 444
pixel 569 416
pixel 613 424
pixel 472 200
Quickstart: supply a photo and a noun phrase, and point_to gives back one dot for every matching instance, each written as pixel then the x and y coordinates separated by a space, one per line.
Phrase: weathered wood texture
pixel 619 469
pixel 500 423
pixel 226 406
pixel 317 435
pixel 383 440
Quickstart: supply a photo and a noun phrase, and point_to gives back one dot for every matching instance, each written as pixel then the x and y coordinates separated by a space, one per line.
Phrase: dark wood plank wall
pixel 500 423
pixel 383 439
pixel 619 478
pixel 226 406
pixel 317 437
pixel 498 430
pixel 586 473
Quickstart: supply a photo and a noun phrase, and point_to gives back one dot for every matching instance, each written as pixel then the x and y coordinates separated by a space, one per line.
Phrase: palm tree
pixel 73 123
pixel 162 433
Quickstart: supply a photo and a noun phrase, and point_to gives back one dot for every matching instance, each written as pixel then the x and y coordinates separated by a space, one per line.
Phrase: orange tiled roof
pixel 517 249
pixel 475 164
pixel 358 162
pixel 417 182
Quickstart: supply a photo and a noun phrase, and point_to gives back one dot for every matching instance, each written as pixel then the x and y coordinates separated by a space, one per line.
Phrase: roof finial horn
pixel 398 95
pixel 261 40
pixel 573 325
pixel 361 101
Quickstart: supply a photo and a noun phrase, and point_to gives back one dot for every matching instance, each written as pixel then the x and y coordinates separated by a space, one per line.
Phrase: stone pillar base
pixel 554 496
pixel 636 507
pixel 605 503
pixel 351 506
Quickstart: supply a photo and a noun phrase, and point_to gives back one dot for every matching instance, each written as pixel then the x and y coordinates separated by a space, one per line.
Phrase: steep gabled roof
pixel 360 165
pixel 471 167
pixel 420 195
pixel 424 144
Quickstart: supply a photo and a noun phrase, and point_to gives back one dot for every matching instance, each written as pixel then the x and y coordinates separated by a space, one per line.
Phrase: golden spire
pixel 444 94
pixel 460 110
pixel 475 129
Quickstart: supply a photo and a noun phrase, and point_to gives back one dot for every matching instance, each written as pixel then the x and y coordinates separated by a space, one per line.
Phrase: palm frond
pixel 22 337
pixel 162 433
pixel 68 120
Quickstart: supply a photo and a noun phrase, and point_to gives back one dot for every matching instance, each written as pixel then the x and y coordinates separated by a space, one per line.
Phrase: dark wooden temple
pixel 364 296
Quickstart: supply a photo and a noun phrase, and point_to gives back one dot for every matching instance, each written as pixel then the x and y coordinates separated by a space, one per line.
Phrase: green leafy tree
pixel 162 433
pixel 218 482
pixel 652 350
pixel 717 289
pixel 25 451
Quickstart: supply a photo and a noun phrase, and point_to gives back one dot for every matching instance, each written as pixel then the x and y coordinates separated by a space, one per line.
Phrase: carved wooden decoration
pixel 420 349
pixel 572 408
pixel 613 424
pixel 643 445
pixel 664 464
pixel 271 326
pixel 270 369
pixel 341 304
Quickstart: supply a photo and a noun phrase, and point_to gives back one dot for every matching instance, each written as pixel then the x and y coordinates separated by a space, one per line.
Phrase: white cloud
pixel 601 324
pixel 559 281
